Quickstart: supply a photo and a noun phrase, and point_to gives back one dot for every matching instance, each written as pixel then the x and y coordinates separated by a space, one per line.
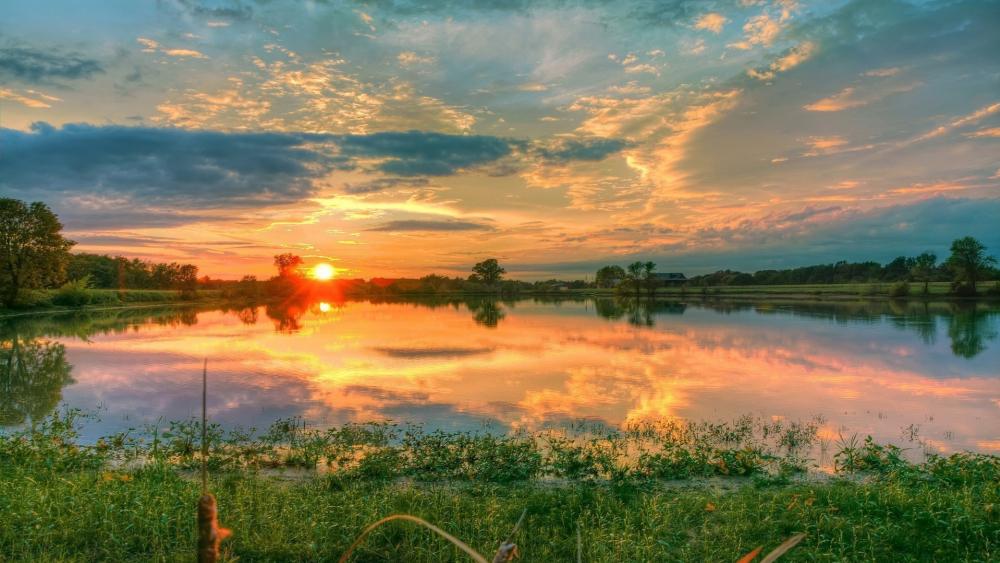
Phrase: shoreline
pixel 713 294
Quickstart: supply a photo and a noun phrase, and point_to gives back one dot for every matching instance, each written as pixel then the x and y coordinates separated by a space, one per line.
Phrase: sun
pixel 323 272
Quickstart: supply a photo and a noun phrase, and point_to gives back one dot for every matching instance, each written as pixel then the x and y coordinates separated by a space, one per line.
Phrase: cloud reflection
pixel 867 368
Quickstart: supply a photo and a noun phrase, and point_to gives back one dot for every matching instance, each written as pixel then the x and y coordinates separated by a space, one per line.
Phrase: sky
pixel 400 138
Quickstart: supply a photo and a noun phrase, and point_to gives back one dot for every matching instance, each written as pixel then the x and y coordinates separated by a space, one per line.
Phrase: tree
pixel 489 271
pixel 609 276
pixel 33 252
pixel 634 276
pixel 923 268
pixel 968 260
pixel 647 275
pixel 187 279
pixel 288 264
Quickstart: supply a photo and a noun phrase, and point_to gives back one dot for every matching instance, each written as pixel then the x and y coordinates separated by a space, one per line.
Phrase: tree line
pixel 966 266
pixel 35 255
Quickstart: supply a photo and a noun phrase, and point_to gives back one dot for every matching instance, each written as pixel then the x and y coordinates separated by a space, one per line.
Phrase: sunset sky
pixel 402 138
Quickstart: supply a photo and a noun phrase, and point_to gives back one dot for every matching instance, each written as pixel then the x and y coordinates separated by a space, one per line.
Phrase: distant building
pixel 668 279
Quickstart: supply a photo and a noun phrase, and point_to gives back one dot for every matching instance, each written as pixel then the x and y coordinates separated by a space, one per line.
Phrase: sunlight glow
pixel 323 272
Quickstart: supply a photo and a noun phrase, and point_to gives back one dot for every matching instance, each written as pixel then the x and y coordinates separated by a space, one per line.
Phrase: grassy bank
pixel 132 496
pixel 46 300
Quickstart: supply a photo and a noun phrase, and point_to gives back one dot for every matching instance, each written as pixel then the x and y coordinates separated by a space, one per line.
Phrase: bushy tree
pixel 609 276
pixel 489 271
pixel 969 261
pixel 634 275
pixel 33 252
pixel 288 264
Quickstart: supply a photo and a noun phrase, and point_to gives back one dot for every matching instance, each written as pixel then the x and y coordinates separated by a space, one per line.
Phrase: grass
pixel 132 497
pixel 50 299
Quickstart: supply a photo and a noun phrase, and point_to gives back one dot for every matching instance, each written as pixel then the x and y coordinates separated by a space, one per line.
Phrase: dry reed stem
pixel 457 542
pixel 783 548
pixel 210 534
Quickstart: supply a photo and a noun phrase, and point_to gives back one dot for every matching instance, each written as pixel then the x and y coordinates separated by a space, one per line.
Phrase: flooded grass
pixel 132 497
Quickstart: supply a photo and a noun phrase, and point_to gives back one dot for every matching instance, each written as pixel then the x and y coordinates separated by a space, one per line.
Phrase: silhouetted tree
pixel 489 271
pixel 969 260
pixel 33 252
pixel 287 264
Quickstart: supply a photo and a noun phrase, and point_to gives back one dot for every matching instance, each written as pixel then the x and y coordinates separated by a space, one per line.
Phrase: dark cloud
pixel 585 149
pixel 420 153
pixel 163 165
pixel 35 66
pixel 419 225
pixel 230 10
pixel 123 217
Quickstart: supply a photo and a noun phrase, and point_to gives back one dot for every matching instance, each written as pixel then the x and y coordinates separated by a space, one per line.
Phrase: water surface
pixel 885 369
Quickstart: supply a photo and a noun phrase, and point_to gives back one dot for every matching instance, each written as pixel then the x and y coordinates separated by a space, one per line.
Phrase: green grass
pixel 46 299
pixel 132 496
pixel 148 515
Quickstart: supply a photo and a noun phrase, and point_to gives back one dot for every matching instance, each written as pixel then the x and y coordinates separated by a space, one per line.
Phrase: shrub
pixel 899 289
pixel 74 293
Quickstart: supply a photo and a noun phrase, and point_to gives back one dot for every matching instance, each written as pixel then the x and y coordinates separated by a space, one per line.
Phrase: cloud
pixel 855 97
pixel 409 58
pixel 956 123
pixel 415 225
pixel 432 352
pixel 593 149
pixel 234 12
pixel 163 165
pixel 382 184
pixel 215 168
pixel 419 153
pixel 30 98
pixel 789 60
pixel 711 21
pixel 152 46
pixel 992 133
pixel 34 66
pixel 759 30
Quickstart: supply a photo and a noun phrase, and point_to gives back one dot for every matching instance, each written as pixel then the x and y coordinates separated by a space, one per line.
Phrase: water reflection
pixel 32 376
pixel 454 363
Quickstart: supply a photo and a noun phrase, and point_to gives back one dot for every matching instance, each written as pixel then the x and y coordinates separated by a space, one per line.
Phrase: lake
pixel 898 372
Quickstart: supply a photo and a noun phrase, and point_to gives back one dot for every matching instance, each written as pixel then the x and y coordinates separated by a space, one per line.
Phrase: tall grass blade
pixel 455 541
pixel 783 548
